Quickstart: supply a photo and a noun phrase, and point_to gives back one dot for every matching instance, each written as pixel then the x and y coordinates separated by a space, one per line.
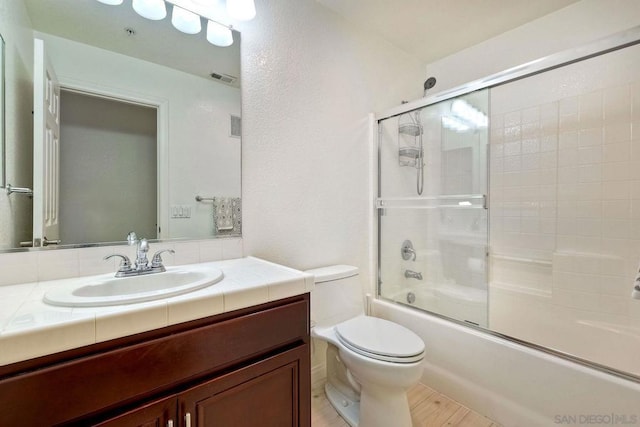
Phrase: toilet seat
pixel 380 339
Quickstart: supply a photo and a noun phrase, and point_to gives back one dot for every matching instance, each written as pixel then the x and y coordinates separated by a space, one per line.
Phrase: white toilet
pixel 371 362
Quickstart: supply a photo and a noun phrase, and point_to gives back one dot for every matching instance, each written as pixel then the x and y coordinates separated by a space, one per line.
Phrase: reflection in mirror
pixel 109 152
pixel 112 64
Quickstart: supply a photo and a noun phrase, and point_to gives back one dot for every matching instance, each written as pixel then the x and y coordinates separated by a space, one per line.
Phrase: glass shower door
pixel 432 213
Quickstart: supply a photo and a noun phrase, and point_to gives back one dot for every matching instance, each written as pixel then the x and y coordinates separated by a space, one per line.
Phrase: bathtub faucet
pixel 409 274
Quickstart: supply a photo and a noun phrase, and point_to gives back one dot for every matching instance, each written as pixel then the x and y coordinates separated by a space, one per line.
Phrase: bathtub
pixel 605 339
pixel 511 383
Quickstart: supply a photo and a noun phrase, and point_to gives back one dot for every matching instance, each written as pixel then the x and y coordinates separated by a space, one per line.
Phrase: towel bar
pixel 19 190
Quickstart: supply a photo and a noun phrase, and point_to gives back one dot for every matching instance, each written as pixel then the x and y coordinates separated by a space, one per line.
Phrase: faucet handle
pixel 125 264
pixel 132 238
pixel 407 251
pixel 156 261
pixel 143 245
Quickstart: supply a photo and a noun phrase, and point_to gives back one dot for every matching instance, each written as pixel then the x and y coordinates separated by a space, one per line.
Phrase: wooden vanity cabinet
pixel 246 368
pixel 265 394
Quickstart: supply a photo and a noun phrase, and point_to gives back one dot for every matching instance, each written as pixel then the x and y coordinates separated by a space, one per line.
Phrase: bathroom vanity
pixel 245 366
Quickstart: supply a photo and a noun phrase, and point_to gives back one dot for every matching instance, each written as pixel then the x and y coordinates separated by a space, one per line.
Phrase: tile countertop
pixel 30 328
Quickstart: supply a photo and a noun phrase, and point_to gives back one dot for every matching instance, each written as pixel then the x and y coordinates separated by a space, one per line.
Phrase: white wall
pixel 309 81
pixel 16 210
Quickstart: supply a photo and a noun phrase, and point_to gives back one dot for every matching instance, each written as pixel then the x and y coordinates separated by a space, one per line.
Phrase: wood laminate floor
pixel 428 409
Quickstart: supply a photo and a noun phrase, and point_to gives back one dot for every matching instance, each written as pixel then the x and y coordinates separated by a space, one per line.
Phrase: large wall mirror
pixel 148 121
pixel 2 168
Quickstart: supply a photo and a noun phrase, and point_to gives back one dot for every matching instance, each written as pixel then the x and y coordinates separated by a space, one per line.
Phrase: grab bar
pixel 19 190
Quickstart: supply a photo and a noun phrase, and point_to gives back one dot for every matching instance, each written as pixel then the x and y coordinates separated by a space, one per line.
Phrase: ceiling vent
pixel 224 78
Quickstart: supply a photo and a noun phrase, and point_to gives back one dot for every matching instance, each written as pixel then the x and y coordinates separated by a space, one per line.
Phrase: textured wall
pixel 309 81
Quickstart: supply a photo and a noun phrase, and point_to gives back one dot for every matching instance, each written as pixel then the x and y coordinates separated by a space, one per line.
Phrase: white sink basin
pixel 109 290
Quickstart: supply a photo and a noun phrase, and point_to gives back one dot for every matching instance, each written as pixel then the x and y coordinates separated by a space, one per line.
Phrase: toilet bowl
pixel 371 362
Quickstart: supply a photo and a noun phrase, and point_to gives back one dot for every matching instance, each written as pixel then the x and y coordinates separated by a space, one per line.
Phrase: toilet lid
pixel 380 339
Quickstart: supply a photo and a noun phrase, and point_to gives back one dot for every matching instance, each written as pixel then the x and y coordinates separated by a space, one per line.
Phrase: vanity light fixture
pixel 150 9
pixel 218 34
pixel 185 21
pixel 186 15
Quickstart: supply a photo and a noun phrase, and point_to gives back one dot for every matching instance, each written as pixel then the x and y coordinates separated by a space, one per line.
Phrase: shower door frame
pixel 618 41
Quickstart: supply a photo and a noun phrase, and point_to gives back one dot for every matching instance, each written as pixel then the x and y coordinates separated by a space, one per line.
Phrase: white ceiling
pixel 433 29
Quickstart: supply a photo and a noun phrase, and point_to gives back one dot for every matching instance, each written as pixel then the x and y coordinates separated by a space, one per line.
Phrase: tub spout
pixel 409 274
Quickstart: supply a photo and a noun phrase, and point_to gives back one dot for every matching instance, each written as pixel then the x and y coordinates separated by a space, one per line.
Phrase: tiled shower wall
pixel 565 186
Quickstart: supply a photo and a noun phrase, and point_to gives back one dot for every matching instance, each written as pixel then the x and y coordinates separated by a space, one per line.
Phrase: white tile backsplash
pixel 57 264
pixel 19 268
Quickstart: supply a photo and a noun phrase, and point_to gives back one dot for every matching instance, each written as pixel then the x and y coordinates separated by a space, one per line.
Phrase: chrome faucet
pixel 409 274
pixel 142 262
pixel 142 248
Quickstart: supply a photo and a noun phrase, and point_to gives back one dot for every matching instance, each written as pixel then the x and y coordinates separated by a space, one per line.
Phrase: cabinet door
pixel 265 394
pixel 160 413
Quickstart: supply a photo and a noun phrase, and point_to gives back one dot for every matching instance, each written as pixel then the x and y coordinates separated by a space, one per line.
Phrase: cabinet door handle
pixel 170 423
pixel 187 420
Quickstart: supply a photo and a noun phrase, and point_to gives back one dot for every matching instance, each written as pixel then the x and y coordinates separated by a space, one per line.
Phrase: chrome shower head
pixel 428 84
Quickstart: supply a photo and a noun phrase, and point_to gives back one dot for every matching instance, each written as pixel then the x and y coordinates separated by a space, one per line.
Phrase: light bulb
pixel 185 21
pixel 111 2
pixel 218 34
pixel 150 9
pixel 242 10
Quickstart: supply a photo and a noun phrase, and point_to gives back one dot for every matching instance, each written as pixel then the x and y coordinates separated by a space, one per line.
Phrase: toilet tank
pixel 337 295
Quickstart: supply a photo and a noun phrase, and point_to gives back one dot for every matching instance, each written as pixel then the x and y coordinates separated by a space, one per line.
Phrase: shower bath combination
pixel 506 225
